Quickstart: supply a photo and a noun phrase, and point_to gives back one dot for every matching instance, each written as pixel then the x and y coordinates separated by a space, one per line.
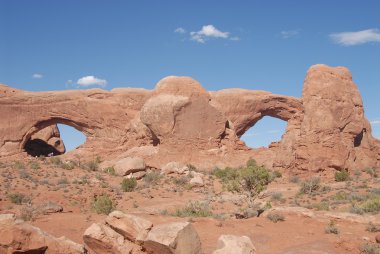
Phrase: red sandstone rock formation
pixel 180 121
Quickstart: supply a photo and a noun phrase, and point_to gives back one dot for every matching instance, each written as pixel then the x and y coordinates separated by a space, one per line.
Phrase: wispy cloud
pixel 356 38
pixel 91 81
pixel 289 33
pixel 37 76
pixel 208 31
pixel 180 30
pixel 375 122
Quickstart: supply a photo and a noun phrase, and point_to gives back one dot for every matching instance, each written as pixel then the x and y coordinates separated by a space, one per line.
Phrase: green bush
pixel 342 176
pixel 276 174
pixel 103 204
pixel 194 209
pixel 128 184
pixel 371 205
pixel 250 180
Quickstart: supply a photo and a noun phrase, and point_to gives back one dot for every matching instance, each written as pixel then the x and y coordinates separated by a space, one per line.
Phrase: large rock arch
pixel 179 120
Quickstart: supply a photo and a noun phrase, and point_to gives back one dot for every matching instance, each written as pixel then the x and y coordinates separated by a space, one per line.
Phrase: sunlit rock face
pixel 180 121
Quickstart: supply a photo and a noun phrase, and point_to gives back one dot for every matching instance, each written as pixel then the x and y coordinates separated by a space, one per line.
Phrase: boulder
pixel 197 179
pixel 101 239
pixel 174 167
pixel 173 238
pixel 228 244
pixel 20 237
pixel 129 165
pixel 132 227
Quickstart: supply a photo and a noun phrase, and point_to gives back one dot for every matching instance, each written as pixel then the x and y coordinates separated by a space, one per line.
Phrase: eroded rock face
pixel 20 237
pixel 180 121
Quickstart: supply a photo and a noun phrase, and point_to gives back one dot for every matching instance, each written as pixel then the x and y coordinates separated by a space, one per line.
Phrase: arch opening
pixel 264 132
pixel 52 137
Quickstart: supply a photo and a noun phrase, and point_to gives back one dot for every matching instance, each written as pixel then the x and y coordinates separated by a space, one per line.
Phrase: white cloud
pixel 207 32
pixel 356 38
pixel 289 33
pixel 180 30
pixel 37 76
pixel 91 81
pixel 375 122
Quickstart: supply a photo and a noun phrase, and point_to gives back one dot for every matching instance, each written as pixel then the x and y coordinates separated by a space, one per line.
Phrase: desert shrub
pixel 371 171
pixel 341 196
pixel 251 163
pixel 2 165
pixel 294 179
pixel 310 186
pixel 19 165
pixel 56 161
pixel 370 248
pixel 128 184
pixel 356 209
pixel 331 228
pixel 69 165
pixel 92 165
pixel 18 198
pixel 275 217
pixel 63 180
pixel 181 181
pixel 276 174
pixel 110 170
pixel 372 227
pixel 322 206
pixel 371 205
pixel 194 209
pixel 27 213
pixel 251 180
pixel 152 177
pixel 34 165
pixel 277 196
pixel 191 167
pixel 103 204
pixel 342 176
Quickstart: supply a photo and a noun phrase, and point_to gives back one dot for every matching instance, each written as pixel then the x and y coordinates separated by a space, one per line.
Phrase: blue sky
pixel 263 45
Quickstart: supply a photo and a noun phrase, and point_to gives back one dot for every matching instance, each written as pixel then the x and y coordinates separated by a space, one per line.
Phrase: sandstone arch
pixel 180 121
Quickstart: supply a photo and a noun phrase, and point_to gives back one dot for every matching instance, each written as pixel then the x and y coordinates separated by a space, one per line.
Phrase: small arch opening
pixel 265 132
pixel 71 137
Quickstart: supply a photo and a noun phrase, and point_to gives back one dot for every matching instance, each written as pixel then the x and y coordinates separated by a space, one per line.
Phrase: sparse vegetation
pixel 370 248
pixel 128 184
pixel 331 228
pixel 34 165
pixel 372 227
pixel 372 172
pixel 27 213
pixel 19 165
pixel 275 217
pixel 152 177
pixel 294 179
pixel 342 176
pixel 103 204
pixel 18 198
pixel 194 209
pixel 310 186
pixel 371 205
pixel 110 170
